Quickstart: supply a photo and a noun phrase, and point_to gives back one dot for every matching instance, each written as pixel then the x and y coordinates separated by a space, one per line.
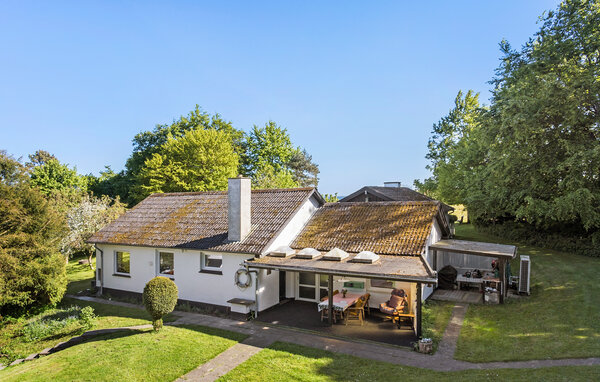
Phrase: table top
pixel 469 279
pixel 340 302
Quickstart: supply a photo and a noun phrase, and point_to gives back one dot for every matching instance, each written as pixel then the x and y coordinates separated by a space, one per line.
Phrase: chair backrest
pixel 336 292
pixel 399 292
pixel 360 303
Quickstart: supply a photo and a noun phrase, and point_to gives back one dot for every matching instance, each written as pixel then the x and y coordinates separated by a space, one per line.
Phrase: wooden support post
pixel 502 280
pixel 419 322
pixel 330 300
pixel 435 259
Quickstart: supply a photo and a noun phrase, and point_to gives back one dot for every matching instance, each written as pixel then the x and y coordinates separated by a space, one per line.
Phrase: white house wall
pixel 192 284
pixel 434 237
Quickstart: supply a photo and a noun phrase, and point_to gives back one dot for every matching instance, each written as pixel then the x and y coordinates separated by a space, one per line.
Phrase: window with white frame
pixel 166 263
pixel 211 262
pixel 122 265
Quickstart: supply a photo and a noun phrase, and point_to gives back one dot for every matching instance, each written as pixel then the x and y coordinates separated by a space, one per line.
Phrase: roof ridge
pixel 219 192
pixel 385 203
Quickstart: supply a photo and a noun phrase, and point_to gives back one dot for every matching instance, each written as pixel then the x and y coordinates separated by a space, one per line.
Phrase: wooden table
pixel 469 280
pixel 340 303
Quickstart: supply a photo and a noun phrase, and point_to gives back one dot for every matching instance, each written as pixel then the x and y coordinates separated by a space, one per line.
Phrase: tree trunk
pixel 90 255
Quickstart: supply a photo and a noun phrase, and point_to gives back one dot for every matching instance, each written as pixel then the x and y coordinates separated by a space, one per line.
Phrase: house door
pixel 282 294
pixel 311 286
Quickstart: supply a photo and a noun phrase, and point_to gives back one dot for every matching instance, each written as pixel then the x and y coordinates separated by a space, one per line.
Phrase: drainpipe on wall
pixel 101 267
pixel 255 291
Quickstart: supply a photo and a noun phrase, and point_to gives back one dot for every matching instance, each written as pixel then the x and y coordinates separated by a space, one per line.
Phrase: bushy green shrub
pixel 87 318
pixel 50 322
pixel 160 296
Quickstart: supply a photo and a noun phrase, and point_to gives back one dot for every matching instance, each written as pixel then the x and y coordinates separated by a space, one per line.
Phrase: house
pixel 245 250
pixel 393 191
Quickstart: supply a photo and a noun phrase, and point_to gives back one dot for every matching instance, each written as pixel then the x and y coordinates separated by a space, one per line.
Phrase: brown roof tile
pixel 198 220
pixel 386 228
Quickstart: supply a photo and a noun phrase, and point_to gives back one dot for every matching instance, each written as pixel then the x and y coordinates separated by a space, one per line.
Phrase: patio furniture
pixel 340 303
pixel 469 280
pixel 356 312
pixel 394 306
pixel 325 311
pixel 367 297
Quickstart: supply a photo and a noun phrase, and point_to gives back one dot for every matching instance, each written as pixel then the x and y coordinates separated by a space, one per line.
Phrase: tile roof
pixel 399 194
pixel 198 220
pixel 386 228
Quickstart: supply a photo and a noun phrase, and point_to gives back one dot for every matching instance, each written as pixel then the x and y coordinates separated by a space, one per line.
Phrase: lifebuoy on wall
pixel 238 278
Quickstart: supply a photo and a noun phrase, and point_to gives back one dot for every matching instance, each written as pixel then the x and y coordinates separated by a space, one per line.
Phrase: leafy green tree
pixel 200 160
pixel 452 151
pixel 331 198
pixel 543 134
pixel 147 143
pixel 51 176
pixel 32 270
pixel 304 171
pixel 268 177
pixel 267 146
pixel 39 158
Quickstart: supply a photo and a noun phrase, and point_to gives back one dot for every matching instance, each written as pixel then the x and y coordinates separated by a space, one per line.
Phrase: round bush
pixel 160 297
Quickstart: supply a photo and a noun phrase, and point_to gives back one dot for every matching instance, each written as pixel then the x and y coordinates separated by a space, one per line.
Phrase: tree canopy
pixel 533 156
pixel 32 270
pixel 200 160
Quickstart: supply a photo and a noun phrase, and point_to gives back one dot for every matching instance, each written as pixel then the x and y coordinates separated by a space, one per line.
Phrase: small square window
pixel 211 262
pixel 122 262
pixel 166 263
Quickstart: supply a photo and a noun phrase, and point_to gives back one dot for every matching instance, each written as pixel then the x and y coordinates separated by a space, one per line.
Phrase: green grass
pixel 13 344
pixel 79 275
pixel 141 355
pixel 558 320
pixel 288 362
pixel 436 316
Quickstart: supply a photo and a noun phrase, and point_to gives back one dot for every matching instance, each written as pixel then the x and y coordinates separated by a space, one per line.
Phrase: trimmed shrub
pixel 160 296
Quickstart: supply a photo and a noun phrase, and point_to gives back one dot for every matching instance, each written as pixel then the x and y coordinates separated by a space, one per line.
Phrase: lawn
pixel 13 345
pixel 288 362
pixel 79 275
pixel 141 355
pixel 436 316
pixel 558 320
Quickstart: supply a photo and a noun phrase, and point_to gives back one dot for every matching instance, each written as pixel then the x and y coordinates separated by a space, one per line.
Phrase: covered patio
pixel 413 270
pixel 304 315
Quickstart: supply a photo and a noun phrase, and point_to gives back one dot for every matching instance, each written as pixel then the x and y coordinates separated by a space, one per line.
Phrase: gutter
pixel 101 267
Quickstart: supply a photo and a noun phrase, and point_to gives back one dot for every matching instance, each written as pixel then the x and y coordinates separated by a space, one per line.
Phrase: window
pixel 122 263
pixel 166 263
pixel 211 262
pixel 382 284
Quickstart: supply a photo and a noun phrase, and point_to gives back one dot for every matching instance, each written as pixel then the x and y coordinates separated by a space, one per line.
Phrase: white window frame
pixel 158 272
pixel 116 264
pixel 204 267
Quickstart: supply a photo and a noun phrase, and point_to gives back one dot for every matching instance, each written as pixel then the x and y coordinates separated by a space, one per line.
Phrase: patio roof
pixel 400 268
pixel 476 248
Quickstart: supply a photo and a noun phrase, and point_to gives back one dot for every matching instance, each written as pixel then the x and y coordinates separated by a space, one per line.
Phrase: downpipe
pixel 101 268
pixel 255 291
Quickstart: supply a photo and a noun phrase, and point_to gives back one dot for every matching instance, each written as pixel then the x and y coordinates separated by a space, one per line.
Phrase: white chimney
pixel 392 184
pixel 238 208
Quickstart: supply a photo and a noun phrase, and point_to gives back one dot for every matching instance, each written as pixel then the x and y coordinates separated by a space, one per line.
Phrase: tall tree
pixel 32 270
pixel 543 133
pixel 52 176
pixel 200 160
pixel 304 171
pixel 452 150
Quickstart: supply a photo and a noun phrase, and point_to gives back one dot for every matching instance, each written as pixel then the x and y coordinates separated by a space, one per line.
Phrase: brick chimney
pixel 238 208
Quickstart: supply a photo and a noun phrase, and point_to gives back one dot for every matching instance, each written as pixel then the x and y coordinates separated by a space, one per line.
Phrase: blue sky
pixel 358 84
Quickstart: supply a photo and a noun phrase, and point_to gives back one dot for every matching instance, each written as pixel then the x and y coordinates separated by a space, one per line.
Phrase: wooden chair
pixel 325 311
pixel 366 297
pixel 356 312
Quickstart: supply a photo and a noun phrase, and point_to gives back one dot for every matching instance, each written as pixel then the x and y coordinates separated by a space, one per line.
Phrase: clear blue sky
pixel 358 84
